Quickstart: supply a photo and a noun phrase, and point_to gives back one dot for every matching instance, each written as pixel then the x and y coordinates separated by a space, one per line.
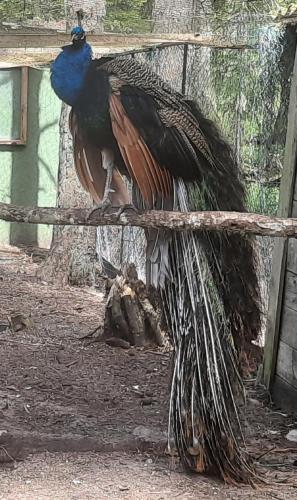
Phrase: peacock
pixel 126 121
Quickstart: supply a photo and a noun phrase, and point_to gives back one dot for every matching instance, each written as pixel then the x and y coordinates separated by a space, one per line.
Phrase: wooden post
pixel 281 244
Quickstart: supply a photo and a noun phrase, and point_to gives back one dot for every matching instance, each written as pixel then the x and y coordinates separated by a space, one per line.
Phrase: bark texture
pixel 132 313
pixel 94 13
pixel 178 221
pixel 72 254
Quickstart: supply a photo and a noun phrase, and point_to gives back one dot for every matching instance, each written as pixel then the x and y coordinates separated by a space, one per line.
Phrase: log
pixel 130 315
pixel 178 221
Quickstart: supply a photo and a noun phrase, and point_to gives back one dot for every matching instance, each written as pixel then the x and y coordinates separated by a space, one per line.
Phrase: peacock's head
pixel 78 35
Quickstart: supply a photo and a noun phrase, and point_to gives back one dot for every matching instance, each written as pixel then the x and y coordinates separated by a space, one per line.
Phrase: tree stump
pixel 132 315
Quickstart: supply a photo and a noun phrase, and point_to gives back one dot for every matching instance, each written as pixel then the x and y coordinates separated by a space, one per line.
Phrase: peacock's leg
pixel 108 165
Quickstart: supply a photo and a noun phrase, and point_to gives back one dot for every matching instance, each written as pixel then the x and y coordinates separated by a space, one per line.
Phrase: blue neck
pixel 69 70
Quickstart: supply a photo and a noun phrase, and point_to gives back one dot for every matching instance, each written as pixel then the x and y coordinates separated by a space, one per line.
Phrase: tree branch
pixel 178 221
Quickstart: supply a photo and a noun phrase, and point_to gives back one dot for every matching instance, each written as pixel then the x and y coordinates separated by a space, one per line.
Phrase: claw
pixel 101 208
pixel 125 207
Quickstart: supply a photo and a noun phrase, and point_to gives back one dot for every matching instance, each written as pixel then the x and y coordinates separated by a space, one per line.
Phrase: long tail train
pixel 203 413
pixel 211 300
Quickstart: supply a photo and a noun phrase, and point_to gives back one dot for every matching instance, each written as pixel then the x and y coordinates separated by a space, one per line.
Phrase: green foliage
pixel 283 7
pixel 262 199
pixel 247 87
pixel 18 10
pixel 128 16
pixel 225 8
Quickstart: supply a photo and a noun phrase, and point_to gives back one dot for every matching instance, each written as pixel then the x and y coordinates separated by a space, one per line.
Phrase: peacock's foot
pixel 124 208
pixel 101 207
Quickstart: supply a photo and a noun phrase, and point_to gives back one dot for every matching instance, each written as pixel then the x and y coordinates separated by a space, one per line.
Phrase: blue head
pixel 69 70
pixel 78 35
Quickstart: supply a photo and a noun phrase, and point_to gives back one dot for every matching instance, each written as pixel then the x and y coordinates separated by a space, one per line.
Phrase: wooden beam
pixel 280 246
pixel 178 221
pixel 287 363
pixel 289 323
pixel 284 394
pixel 25 40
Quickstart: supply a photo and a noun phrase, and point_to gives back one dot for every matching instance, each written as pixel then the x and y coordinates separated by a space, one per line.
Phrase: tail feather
pixel 209 288
pixel 204 418
pixel 231 256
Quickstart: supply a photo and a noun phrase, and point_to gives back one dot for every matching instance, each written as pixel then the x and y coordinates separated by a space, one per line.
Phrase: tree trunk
pixel 72 254
pixel 94 14
pixel 286 68
pixel 174 16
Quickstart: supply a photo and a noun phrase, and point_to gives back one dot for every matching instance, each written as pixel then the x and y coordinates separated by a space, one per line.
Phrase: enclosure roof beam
pixel 46 40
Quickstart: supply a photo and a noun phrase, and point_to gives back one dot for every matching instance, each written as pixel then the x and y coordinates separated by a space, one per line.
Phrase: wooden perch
pixel 178 221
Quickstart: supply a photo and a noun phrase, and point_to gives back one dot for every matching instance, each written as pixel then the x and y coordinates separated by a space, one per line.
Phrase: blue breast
pixel 69 70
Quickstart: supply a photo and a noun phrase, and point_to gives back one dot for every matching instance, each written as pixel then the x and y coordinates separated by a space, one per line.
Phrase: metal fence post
pixel 185 63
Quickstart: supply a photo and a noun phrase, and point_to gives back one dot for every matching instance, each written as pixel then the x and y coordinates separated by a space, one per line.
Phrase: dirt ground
pixel 81 421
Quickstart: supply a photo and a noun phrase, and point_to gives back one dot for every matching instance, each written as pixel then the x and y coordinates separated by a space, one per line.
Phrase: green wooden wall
pixel 28 174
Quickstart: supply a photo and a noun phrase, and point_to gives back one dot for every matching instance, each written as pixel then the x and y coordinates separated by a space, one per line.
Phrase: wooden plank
pixel 290 300
pixel 17 40
pixel 12 142
pixel 274 310
pixel 294 207
pixel 292 256
pixel 280 248
pixel 290 293
pixel 291 283
pixel 286 366
pixel 289 326
pixel 284 395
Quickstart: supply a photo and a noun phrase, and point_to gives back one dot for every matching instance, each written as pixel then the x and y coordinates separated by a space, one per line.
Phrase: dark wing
pixel 151 178
pixel 153 181
pixel 157 143
pixel 88 164
pixel 182 142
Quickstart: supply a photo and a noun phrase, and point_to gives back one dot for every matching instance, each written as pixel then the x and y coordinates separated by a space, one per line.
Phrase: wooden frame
pixel 23 125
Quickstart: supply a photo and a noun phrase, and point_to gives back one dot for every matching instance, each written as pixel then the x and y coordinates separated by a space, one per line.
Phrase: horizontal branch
pixel 178 221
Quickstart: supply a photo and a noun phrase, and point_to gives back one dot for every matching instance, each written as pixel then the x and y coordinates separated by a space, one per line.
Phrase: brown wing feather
pixel 153 181
pixel 88 164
